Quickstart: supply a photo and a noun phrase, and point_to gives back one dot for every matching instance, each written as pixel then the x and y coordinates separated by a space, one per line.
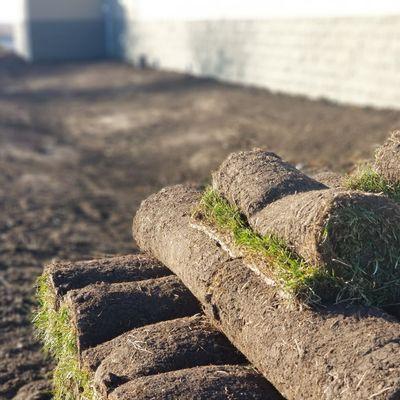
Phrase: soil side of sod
pixel 209 382
pixel 253 179
pixel 67 275
pixel 164 347
pixel 53 319
pixel 100 311
pixel 124 306
pixel 60 277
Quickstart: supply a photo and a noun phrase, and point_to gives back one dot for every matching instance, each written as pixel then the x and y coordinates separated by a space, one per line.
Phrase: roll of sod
pixel 161 226
pixel 387 159
pixel 101 312
pixel 345 230
pixel 253 179
pixel 208 382
pixel 336 352
pixel 93 357
pixel 64 275
pixel 163 347
pixel 348 235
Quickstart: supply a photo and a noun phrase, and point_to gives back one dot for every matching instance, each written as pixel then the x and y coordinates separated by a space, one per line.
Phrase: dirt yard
pixel 82 144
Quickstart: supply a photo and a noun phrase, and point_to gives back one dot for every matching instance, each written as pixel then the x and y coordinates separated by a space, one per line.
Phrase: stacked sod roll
pixel 348 239
pixel 308 348
pixel 387 159
pixel 382 174
pixel 125 326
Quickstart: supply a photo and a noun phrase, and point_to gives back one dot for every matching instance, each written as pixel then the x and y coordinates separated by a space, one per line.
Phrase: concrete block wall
pixel 346 59
pixel 51 30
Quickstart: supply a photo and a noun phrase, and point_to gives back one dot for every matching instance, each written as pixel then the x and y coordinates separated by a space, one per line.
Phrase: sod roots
pixel 338 352
pixel 349 240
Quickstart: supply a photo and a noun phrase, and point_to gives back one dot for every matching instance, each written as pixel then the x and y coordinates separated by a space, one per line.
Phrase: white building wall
pixel 351 59
pixel 20 33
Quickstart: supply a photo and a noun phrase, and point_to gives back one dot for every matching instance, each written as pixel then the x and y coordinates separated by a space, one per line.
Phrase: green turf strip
pixel 56 332
pixel 367 179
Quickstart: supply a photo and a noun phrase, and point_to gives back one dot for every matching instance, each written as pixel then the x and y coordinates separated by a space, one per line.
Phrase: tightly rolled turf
pixel 163 347
pixel 103 311
pixel 253 179
pixel 387 159
pixel 64 275
pixel 202 383
pixel 352 236
pixel 336 352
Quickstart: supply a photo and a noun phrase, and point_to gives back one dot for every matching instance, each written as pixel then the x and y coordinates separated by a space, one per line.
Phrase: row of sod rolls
pixel 334 351
pixel 316 243
pixel 125 327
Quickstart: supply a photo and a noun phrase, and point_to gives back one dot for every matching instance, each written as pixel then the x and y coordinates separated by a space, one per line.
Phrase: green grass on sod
pixel 56 332
pixel 379 284
pixel 367 179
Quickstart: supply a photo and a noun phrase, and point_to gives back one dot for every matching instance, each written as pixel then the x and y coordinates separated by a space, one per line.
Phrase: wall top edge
pixel 252 9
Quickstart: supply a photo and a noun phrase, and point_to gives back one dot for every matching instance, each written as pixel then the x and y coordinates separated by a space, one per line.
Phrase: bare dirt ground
pixel 82 144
